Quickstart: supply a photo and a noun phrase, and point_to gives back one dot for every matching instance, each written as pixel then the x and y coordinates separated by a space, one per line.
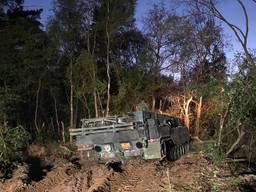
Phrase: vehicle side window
pixel 169 123
pixel 173 122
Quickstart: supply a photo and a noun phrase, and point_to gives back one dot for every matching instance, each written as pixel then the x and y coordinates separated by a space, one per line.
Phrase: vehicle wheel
pixel 168 151
pixel 164 150
pixel 187 147
pixel 172 154
pixel 183 149
pixel 178 152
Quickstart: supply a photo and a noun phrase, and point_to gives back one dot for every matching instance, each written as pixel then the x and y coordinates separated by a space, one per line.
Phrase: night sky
pixel 229 8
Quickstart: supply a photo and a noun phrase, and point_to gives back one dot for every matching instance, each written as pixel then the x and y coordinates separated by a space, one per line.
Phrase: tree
pixel 110 18
pixel 86 81
pixel 207 7
pixel 170 39
pixel 162 46
pixel 238 111
pixel 69 30
pixel 22 61
pixel 209 52
pixel 241 113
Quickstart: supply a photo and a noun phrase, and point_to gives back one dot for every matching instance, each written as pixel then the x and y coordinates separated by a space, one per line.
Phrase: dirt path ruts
pixel 190 173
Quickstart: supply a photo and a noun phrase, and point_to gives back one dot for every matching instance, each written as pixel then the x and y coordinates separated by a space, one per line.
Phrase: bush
pixel 12 142
pixel 214 153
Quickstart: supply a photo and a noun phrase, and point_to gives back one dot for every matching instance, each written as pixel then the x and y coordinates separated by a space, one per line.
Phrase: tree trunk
pixel 94 71
pixel 108 63
pixel 250 151
pixel 222 120
pixel 198 117
pixel 239 137
pixel 5 123
pixel 100 103
pixel 186 111
pixel 71 97
pixel 220 130
pixel 63 133
pixel 160 105
pixel 95 103
pixel 153 103
pixel 36 109
pixel 56 114
pixel 75 112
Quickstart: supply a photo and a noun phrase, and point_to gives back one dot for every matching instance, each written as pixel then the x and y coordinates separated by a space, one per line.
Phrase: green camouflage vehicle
pixel 145 134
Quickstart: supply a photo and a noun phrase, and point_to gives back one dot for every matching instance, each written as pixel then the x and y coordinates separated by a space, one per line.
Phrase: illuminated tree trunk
pixel 198 117
pixel 186 111
pixel 153 103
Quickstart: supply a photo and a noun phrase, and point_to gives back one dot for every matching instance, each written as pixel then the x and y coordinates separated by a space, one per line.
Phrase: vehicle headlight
pixel 107 148
pixel 126 145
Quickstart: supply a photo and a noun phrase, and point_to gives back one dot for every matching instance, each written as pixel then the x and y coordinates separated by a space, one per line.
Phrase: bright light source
pixel 126 145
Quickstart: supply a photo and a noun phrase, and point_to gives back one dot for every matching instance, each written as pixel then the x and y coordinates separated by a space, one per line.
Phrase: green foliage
pixel 85 75
pixel 234 181
pixel 242 96
pixel 68 26
pixel 212 67
pixel 215 154
pixel 7 100
pixel 215 187
pixel 22 60
pixel 242 104
pixel 113 15
pixel 12 142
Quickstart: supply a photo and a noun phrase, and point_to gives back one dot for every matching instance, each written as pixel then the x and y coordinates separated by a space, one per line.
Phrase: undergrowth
pixel 12 143
pixel 214 154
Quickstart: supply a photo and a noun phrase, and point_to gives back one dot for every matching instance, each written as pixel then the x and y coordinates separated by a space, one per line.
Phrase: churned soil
pixel 192 172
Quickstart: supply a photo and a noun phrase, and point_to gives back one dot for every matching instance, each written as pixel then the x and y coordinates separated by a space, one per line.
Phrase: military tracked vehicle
pixel 145 134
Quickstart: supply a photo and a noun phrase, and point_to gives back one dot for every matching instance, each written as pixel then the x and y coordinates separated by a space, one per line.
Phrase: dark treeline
pixel 91 60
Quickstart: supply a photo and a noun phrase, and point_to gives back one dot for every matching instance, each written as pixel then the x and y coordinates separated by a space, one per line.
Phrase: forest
pixel 92 60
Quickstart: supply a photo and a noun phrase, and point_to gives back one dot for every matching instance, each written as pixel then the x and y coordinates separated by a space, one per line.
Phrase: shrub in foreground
pixel 12 142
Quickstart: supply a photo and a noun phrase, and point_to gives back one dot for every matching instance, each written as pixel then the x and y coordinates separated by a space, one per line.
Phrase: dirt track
pixel 190 173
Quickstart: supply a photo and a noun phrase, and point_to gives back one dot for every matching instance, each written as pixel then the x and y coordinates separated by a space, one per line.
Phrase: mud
pixel 192 172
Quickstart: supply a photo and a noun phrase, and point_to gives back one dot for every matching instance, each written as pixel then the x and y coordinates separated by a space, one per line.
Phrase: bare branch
pixel 241 133
pixel 233 27
pixel 240 35
pixel 246 22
